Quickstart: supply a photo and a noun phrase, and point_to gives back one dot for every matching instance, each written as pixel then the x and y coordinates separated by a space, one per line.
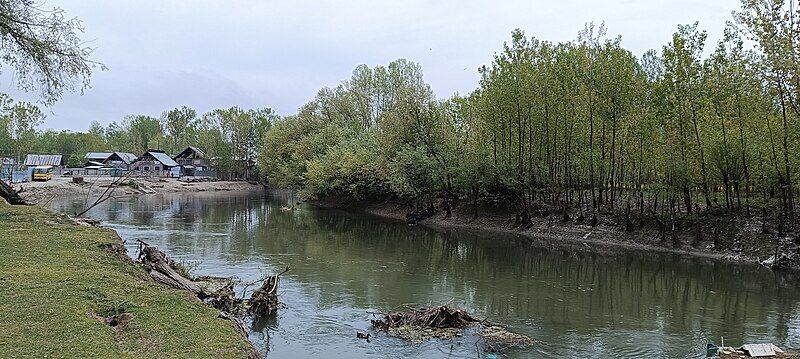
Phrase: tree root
pixel 264 300
pixel 217 292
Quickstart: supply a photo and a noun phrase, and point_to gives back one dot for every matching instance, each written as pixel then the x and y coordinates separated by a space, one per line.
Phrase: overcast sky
pixel 209 54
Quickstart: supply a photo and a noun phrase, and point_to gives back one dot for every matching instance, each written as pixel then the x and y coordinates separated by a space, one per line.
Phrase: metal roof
pixel 161 157
pixel 98 155
pixel 43 160
pixel 127 157
pixel 164 159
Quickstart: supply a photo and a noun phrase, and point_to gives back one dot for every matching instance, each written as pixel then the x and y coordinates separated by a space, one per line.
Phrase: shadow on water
pixel 576 302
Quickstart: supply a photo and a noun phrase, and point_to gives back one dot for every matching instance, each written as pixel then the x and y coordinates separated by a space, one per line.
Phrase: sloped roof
pixel 98 155
pixel 160 157
pixel 164 159
pixel 43 160
pixel 127 157
pixel 190 149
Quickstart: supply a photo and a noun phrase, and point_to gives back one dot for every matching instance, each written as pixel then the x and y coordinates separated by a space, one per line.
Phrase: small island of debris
pixel 443 322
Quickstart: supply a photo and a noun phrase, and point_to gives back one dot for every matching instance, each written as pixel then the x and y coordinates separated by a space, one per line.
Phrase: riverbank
pixel 69 290
pixel 733 239
pixel 41 192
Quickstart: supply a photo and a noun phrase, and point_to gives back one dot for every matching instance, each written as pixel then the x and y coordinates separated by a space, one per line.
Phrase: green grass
pixel 57 277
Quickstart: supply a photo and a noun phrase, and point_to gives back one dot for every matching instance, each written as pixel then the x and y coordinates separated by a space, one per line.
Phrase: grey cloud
pixel 209 54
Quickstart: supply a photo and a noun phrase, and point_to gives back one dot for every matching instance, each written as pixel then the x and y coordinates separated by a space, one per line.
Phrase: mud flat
pixel 42 192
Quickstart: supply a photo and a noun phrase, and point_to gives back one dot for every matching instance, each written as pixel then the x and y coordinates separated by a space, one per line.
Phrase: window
pixel 146 168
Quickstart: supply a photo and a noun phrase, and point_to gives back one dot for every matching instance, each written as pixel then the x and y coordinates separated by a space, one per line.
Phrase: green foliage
pixel 145 133
pixel 582 123
pixel 378 133
pixel 351 169
pixel 176 123
pixel 412 173
pixel 43 49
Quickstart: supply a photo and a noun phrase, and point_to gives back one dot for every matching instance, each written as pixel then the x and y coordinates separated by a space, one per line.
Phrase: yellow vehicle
pixel 43 173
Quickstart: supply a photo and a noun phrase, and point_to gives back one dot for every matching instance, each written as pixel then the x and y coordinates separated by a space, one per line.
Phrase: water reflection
pixel 578 303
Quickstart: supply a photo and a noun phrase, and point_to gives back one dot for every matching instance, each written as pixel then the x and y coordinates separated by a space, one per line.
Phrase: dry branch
pixel 264 300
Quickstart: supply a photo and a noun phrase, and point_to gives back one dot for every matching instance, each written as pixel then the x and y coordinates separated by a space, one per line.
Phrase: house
pixel 192 162
pixel 109 159
pixel 120 160
pixel 95 158
pixel 154 163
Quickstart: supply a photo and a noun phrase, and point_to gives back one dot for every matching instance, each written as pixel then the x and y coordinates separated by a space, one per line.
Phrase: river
pixel 575 302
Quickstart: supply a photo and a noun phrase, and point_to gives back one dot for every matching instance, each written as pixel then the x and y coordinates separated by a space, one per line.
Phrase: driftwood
pixel 217 292
pixel 444 322
pixel 10 195
pixel 162 269
pixel 435 317
pixel 264 300
pixel 415 217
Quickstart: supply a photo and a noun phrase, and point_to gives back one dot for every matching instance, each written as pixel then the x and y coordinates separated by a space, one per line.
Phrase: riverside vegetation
pixel 686 140
pixel 578 127
pixel 582 131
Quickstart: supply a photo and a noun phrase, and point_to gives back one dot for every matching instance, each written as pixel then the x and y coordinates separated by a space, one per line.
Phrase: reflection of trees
pixel 513 278
pixel 354 260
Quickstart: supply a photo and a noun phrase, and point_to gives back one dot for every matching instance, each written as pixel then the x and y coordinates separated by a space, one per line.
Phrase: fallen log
pixel 215 291
pixel 218 292
pixel 162 269
pixel 10 195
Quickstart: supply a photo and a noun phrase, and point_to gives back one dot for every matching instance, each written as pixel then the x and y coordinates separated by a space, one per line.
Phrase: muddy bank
pixel 732 238
pixel 42 192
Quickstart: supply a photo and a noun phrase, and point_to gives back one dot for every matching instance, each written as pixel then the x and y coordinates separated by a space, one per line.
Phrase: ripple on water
pixel 575 303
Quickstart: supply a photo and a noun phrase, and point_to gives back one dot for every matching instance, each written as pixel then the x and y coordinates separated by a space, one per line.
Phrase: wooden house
pixel 154 163
pixel 120 160
pixel 192 162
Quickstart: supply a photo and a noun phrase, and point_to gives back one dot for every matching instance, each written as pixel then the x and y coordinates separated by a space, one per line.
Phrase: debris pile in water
pixel 498 335
pixel 419 324
pixel 443 322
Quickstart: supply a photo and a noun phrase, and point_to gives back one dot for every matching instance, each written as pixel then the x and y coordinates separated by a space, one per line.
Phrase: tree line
pixel 579 127
pixel 230 136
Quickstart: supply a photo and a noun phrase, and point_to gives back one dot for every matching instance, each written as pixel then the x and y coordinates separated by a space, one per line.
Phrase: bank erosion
pixel 68 290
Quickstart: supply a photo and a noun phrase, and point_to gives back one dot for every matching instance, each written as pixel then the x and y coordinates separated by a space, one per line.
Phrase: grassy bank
pixel 58 280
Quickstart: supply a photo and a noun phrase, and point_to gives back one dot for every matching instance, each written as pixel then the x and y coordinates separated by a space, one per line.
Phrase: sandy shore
pixel 38 192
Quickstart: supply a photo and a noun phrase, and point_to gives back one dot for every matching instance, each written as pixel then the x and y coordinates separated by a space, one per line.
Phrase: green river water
pixel 574 301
